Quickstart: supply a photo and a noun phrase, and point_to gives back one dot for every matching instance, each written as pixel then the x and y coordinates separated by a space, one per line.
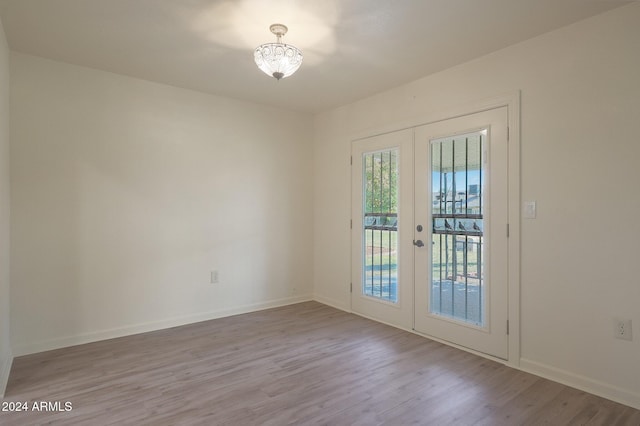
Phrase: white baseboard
pixel 5 369
pixel 332 302
pixel 614 393
pixel 63 342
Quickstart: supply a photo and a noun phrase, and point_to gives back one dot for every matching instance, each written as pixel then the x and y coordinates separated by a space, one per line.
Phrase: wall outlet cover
pixel 622 328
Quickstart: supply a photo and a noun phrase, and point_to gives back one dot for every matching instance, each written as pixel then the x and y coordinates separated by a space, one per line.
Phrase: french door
pixel 429 230
pixel 461 231
pixel 382 222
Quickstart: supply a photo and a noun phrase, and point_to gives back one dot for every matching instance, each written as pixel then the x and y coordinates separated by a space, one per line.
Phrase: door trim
pixel 511 100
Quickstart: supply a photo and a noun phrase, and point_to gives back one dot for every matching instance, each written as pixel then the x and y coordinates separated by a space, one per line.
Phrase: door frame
pixel 511 100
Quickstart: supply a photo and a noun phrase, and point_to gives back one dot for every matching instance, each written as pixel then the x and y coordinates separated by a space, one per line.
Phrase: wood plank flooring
pixel 300 364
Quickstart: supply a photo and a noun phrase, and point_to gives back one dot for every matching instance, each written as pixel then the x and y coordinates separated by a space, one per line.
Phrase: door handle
pixel 418 243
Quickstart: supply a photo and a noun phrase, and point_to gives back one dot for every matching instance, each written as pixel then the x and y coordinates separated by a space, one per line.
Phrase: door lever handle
pixel 418 243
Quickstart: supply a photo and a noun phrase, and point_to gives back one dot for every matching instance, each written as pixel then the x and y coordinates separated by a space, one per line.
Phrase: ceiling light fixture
pixel 277 59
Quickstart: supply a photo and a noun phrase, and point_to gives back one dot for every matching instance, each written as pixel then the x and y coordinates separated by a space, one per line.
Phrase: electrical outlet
pixel 214 277
pixel 622 328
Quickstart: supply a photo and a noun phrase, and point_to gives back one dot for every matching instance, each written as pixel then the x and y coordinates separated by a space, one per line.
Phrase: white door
pixel 461 231
pixel 382 223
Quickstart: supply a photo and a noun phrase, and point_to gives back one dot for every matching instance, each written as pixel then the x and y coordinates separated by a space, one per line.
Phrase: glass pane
pixel 380 225
pixel 457 176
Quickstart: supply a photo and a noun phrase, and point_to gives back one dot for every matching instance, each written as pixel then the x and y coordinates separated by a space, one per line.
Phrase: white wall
pixel 579 146
pixel 5 332
pixel 126 194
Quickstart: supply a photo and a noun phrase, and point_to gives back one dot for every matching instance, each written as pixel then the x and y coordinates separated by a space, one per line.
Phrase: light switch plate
pixel 529 210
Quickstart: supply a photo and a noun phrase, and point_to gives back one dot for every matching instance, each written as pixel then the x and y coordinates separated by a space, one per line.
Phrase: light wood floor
pixel 300 364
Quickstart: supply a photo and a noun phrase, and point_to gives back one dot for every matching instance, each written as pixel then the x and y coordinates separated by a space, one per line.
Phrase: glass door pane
pixel 457 176
pixel 380 225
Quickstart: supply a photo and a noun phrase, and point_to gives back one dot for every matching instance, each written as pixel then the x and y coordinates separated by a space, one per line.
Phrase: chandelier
pixel 277 59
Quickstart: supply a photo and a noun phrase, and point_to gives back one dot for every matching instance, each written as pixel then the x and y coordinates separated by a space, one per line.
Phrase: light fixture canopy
pixel 277 59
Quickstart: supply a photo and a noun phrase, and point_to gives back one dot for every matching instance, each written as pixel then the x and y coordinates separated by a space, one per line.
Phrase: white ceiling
pixel 352 48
